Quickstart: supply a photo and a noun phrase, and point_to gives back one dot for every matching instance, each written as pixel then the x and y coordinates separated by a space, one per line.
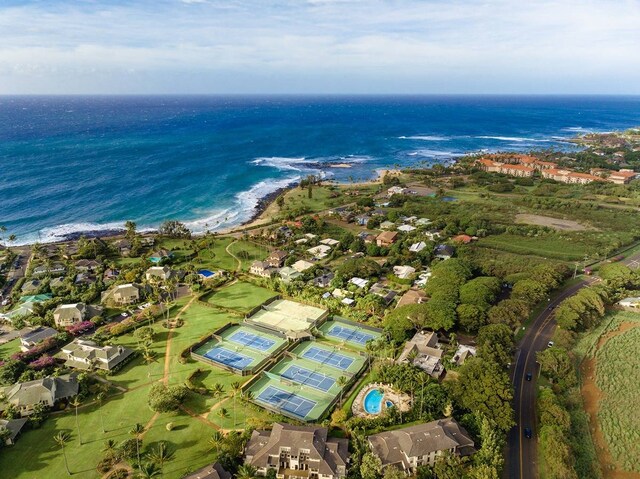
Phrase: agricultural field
pixel 610 389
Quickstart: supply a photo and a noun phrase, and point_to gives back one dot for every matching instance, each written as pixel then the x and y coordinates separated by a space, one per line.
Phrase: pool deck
pixel 399 400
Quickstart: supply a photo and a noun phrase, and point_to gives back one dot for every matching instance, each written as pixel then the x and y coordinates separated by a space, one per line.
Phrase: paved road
pixel 521 458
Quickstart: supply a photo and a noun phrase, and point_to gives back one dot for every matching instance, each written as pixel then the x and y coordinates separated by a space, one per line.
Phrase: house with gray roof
pixel 85 354
pixel 55 269
pixel 14 426
pixel 421 445
pixel 36 336
pixel 31 286
pixel 46 391
pixel 213 471
pixel 158 273
pixel 298 451
pixel 67 314
pixel 122 294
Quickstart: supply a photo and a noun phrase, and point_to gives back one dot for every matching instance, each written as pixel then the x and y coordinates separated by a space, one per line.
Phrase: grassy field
pixel 240 296
pixel 564 248
pixel 36 456
pixel 248 252
pixel 618 377
pixel 7 349
pixel 216 256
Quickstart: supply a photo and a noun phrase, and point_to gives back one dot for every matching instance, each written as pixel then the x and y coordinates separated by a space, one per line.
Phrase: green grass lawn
pixel 252 252
pixel 7 349
pixel 216 257
pixel 564 248
pixel 240 296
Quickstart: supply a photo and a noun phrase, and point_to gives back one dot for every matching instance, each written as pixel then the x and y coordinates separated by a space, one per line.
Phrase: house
pixel 14 426
pixel 68 314
pixel 36 336
pixel 423 222
pixel 444 251
pixel 348 301
pixel 367 237
pixel 403 272
pixel 387 225
pixel 412 296
pixel 319 252
pixel 302 265
pixel 406 228
pixel 288 274
pixel 262 269
pixel 344 213
pixel 160 256
pixel 424 352
pixel 423 277
pixel 31 286
pixel 147 241
pixel 57 282
pixel 386 238
pixel 417 247
pixel 462 354
pixel 87 355
pixel 110 275
pixel 158 273
pixel 123 247
pixel 362 220
pixel 463 239
pixel 122 294
pixel 386 294
pixel 359 282
pixel 330 242
pixel 298 452
pixel 87 265
pixel 397 190
pixel 213 471
pixel 420 445
pixel 276 258
pixel 85 279
pixel 632 304
pixel 56 269
pixel 432 234
pixel 46 391
pixel 323 281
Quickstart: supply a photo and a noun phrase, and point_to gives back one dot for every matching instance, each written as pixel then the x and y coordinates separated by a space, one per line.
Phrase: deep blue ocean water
pixel 84 163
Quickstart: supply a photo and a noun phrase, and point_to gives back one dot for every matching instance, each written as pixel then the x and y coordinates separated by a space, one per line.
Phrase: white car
pixel 550 344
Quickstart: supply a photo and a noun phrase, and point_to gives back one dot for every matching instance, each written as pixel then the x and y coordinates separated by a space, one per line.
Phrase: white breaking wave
pixel 516 139
pixel 281 162
pixel 58 233
pixel 424 138
pixel 436 153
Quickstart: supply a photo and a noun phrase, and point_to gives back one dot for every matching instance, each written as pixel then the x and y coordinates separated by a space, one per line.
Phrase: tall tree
pixel 61 439
pixel 75 402
pixel 136 431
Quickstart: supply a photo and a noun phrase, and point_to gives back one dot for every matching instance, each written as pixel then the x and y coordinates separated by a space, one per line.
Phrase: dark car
pixel 527 432
pixel 529 376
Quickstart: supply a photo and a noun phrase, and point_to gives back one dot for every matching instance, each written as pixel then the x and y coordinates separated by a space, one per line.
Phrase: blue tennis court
pixel 350 334
pixel 288 402
pixel 252 341
pixel 228 358
pixel 331 358
pixel 308 378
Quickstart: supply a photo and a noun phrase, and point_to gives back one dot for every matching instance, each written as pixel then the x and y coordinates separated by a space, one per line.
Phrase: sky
pixel 319 46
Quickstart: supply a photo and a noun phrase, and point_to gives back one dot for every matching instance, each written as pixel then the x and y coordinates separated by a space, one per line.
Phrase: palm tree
pixel 101 396
pixel 110 446
pixel 149 357
pixel 223 413
pixel 75 402
pixel 136 431
pixel 246 471
pixel 148 471
pixel 236 388
pixel 161 454
pixel 217 390
pixel 215 441
pixel 342 382
pixel 61 439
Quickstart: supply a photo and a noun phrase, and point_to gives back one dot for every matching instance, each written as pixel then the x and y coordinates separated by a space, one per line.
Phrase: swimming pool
pixel 373 401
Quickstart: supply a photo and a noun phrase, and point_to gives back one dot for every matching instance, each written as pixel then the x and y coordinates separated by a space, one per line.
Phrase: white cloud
pixel 321 45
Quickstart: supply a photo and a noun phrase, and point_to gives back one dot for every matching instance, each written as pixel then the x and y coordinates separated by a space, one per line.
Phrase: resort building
pixel 386 238
pixel 158 273
pixel 567 176
pixel 411 447
pixel 262 269
pixel 621 177
pixel 213 471
pixel 87 355
pixel 298 452
pixel 46 391
pixel 68 314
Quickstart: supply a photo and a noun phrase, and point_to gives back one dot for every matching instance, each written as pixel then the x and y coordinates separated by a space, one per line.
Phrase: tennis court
pixel 330 358
pixel 251 340
pixel 350 335
pixel 285 315
pixel 229 358
pixel 287 401
pixel 309 378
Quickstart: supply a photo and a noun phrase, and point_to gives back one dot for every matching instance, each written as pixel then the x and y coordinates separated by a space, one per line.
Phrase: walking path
pixel 239 267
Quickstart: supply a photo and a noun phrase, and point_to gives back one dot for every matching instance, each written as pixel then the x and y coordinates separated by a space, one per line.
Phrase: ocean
pixel 78 163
